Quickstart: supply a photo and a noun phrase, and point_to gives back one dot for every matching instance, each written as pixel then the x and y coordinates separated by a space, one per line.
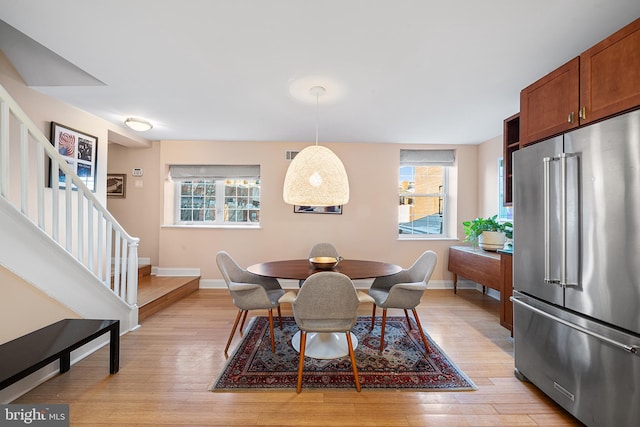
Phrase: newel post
pixel 132 272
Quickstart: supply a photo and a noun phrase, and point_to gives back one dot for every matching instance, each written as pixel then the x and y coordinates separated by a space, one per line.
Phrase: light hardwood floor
pixel 168 363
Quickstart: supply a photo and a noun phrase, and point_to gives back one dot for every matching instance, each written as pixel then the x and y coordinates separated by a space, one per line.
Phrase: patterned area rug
pixel 402 365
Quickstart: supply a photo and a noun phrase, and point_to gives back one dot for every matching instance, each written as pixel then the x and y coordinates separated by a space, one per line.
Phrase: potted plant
pixel 488 233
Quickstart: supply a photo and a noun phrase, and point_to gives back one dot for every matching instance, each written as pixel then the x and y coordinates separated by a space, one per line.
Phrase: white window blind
pixel 427 157
pixel 188 172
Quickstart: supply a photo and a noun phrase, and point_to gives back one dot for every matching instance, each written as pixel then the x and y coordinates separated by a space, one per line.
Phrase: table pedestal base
pixel 325 345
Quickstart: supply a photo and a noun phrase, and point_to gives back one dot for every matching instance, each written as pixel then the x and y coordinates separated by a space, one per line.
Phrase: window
pixel 422 190
pixel 505 213
pixel 216 194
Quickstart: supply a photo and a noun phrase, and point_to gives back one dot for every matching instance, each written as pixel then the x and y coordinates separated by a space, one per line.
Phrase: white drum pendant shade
pixel 316 177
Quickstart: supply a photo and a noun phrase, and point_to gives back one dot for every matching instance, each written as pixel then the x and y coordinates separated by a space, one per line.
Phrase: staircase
pixel 86 260
pixel 158 292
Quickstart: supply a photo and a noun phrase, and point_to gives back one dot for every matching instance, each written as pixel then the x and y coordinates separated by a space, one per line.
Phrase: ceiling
pixel 397 71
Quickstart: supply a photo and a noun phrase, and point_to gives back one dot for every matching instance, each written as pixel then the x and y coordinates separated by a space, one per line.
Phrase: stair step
pixel 158 292
pixel 144 270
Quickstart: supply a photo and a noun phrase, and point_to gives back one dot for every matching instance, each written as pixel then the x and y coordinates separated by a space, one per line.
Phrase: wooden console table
pixel 490 269
pixel 475 264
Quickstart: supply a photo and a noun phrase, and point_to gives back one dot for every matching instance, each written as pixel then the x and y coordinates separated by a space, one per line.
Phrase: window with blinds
pixel 216 194
pixel 422 192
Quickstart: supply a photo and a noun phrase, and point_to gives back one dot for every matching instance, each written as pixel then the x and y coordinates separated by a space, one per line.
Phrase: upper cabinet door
pixel 550 105
pixel 610 75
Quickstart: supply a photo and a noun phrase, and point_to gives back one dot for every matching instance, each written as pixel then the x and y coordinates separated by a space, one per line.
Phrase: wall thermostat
pixel 136 172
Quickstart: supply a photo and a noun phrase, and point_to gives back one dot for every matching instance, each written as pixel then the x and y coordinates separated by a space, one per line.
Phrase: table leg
pixel 114 348
pixel 65 362
pixel 455 283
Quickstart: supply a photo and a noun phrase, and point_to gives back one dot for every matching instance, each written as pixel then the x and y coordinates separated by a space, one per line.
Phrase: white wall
pixel 18 299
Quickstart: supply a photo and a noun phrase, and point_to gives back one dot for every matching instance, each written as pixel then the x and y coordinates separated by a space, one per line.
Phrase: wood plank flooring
pixel 168 363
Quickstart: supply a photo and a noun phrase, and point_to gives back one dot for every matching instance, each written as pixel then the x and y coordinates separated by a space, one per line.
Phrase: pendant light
pixel 316 176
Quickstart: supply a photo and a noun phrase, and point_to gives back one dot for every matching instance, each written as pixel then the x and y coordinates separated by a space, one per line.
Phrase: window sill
pixel 422 238
pixel 224 226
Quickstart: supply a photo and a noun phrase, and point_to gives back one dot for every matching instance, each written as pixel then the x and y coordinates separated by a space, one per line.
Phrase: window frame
pixel 445 208
pixel 221 176
pixel 444 158
pixel 505 213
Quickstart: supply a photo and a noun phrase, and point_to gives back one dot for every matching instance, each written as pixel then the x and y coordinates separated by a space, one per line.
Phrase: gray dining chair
pixel 324 249
pixel 327 302
pixel 249 292
pixel 403 290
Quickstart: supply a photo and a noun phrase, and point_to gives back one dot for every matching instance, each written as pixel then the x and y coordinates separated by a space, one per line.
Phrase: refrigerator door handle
pixel 563 217
pixel 562 158
pixel 546 208
pixel 633 349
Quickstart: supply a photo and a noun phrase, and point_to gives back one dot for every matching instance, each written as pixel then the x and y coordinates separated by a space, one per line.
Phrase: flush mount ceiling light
pixel 138 124
pixel 316 176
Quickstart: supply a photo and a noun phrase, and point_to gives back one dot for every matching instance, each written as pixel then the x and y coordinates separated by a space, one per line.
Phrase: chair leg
pixel 244 318
pixel 280 317
pixel 273 339
pixel 233 331
pixel 303 344
pixel 384 323
pixel 406 314
pixel 424 338
pixel 354 366
pixel 373 316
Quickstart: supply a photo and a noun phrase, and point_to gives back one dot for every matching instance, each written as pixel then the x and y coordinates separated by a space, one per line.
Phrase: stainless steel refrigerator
pixel 577 270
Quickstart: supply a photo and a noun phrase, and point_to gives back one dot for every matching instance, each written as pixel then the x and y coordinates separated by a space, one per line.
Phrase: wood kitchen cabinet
pixel 610 75
pixel 506 306
pixel 511 144
pixel 550 105
pixel 601 82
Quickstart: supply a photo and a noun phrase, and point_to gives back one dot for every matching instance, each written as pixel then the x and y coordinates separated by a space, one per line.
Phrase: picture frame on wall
pixel 116 185
pixel 80 151
pixel 336 210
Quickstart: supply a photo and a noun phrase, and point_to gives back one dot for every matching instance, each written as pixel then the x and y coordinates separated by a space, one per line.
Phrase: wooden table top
pixel 300 269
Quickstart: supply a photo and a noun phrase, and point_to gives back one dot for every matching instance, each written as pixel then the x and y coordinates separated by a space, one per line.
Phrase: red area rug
pixel 402 365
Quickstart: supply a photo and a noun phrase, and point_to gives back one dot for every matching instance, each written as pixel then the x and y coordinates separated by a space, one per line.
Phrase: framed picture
pixel 318 209
pixel 116 185
pixel 79 149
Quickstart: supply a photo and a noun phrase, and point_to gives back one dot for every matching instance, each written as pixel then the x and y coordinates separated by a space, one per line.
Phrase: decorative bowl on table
pixel 324 262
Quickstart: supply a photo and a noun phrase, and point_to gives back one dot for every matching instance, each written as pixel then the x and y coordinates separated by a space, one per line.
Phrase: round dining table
pixel 321 345
pixel 300 269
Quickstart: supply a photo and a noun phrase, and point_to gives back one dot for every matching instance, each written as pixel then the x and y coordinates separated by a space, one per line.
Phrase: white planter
pixel 491 240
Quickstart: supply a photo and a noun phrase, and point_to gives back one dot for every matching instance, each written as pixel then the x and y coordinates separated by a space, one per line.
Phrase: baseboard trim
pixel 158 271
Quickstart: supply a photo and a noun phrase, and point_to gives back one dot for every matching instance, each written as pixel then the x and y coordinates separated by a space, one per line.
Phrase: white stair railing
pixel 72 216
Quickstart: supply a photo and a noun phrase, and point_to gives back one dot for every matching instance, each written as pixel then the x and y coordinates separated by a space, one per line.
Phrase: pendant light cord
pixel 317 91
pixel 317 114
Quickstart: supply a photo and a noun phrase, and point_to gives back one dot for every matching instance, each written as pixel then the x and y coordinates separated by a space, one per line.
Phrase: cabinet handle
pixel 582 113
pixel 571 117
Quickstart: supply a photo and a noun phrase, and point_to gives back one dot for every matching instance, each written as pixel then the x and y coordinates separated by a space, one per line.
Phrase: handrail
pixel 87 231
